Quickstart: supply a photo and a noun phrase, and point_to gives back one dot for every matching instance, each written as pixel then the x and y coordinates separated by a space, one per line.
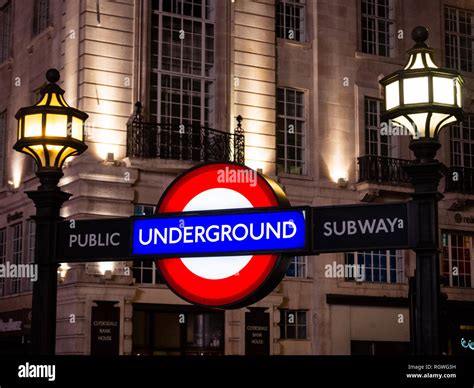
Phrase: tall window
pixel 379 266
pixel 182 62
pixel 459 38
pixel 290 131
pixel 146 272
pixel 291 19
pixel 293 324
pixel 462 143
pixel 375 143
pixel 457 259
pixel 3 257
pixel 27 284
pixel 377 27
pixel 5 31
pixel 3 140
pixel 41 16
pixel 144 210
pixel 17 253
pixel 297 268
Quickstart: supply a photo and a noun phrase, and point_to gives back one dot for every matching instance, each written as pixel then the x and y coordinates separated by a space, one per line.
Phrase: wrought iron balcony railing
pixel 380 169
pixel 184 142
pixel 460 180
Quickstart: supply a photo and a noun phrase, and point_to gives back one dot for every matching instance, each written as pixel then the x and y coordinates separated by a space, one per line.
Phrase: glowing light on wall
pixel 103 149
pixel 105 266
pixel 17 162
pixel 62 271
pixel 106 132
pixel 259 159
pixel 255 165
pixel 338 166
pixel 336 155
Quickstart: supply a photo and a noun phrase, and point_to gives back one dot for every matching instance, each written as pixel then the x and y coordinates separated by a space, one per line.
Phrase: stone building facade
pixel 303 75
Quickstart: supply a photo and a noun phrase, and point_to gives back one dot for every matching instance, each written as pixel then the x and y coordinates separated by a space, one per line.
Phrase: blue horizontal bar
pixel 227 234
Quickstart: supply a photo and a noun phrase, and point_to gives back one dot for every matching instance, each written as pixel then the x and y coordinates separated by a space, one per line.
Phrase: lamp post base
pixel 48 200
pixel 426 173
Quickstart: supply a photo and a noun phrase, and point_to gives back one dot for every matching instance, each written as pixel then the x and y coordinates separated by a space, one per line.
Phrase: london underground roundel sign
pixel 226 281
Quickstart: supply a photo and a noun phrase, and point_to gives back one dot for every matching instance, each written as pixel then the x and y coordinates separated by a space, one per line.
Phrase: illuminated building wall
pixel 105 77
pixel 254 79
pixel 104 58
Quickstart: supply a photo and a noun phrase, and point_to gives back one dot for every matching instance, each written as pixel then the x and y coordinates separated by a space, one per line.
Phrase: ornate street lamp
pixel 424 98
pixel 49 131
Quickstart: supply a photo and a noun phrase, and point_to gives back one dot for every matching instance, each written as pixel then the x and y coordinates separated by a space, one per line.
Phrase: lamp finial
pixel 420 36
pixel 53 76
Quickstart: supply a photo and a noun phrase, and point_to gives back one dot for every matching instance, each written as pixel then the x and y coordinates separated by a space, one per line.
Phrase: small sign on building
pixel 257 332
pixel 105 329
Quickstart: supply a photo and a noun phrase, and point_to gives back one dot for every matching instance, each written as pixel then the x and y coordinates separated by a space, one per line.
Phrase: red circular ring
pixel 220 292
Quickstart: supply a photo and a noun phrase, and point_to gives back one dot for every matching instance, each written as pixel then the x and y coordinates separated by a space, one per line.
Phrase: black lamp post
pixel 50 132
pixel 424 98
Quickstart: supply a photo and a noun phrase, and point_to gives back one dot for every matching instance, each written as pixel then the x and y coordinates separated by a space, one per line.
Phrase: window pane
pixel 293 324
pixel 41 16
pixel 456 259
pixel 290 19
pixel 458 39
pixel 291 332
pixel 376 25
pixel 373 266
pixel 182 62
pixel 290 131
pixel 5 32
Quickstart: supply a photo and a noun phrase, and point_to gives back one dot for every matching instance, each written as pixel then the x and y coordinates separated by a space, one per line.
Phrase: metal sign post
pixel 296 230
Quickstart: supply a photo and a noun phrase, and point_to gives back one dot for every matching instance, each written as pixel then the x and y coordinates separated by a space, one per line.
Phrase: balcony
pixel 183 142
pixel 383 170
pixel 379 174
pixel 459 180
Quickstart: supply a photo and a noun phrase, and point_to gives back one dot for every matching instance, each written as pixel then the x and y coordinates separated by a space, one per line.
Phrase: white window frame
pixel 297 14
pixel 27 284
pixel 206 81
pixel 369 128
pixel 457 143
pixel 453 39
pixel 399 262
pixel 296 166
pixel 138 265
pixel 17 254
pixel 284 324
pixel 300 264
pixel 447 238
pixel 142 210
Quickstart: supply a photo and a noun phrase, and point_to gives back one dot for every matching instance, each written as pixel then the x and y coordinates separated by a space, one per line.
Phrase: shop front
pixel 459 328
pixel 15 330
pixel 160 329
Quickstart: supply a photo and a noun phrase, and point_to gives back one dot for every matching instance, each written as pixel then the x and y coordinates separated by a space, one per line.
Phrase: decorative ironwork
pixel 380 169
pixel 239 142
pixel 182 141
pixel 460 180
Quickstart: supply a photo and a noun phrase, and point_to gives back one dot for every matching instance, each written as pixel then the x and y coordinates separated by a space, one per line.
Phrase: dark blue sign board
pixel 241 232
pixel 296 230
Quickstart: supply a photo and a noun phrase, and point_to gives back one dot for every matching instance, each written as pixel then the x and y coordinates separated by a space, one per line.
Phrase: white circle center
pixel 220 267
